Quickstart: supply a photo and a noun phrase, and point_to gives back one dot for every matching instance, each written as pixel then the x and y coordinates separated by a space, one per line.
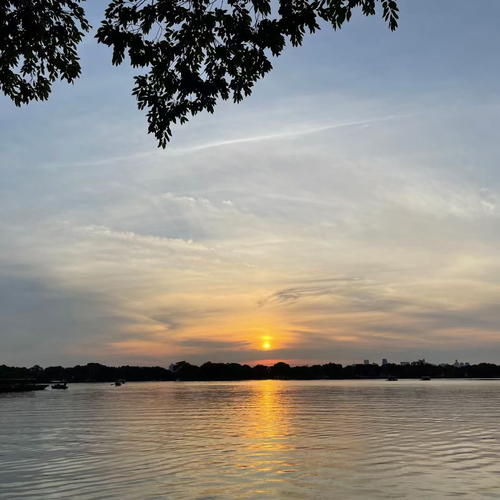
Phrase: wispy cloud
pixel 294 294
pixel 214 344
pixel 287 134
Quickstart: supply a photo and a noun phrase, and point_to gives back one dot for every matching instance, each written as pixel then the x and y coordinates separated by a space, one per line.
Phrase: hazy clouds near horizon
pixel 349 209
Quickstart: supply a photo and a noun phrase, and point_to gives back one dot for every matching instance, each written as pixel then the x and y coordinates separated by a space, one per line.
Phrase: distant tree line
pixel 95 372
pixel 92 372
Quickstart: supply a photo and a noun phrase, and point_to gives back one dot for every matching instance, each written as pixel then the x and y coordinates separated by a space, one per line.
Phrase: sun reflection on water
pixel 268 431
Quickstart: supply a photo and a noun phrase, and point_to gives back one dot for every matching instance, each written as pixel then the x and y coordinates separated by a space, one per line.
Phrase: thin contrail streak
pixel 285 135
pixel 243 140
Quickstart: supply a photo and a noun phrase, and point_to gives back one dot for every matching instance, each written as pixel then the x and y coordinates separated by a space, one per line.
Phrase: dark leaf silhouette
pixel 199 51
pixel 38 45
pixel 192 52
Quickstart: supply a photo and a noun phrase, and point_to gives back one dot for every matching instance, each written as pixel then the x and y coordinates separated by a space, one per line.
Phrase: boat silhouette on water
pixel 60 385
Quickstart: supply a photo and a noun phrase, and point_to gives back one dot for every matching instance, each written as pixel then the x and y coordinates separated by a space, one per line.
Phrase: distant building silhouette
pixel 404 363
pixel 384 362
pixel 367 362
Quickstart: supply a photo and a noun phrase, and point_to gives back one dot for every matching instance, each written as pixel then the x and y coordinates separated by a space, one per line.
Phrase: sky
pixel 348 210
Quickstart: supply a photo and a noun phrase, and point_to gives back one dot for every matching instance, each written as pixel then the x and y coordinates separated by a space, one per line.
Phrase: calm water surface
pixel 259 440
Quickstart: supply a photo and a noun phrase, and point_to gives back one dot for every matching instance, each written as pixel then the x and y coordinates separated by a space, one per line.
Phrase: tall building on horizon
pixel 384 362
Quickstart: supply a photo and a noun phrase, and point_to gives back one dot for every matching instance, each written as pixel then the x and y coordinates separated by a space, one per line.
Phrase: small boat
pixel 62 385
pixel 118 383
pixel 392 379
pixel 426 379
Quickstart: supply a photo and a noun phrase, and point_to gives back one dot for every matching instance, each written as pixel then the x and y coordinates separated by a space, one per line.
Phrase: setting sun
pixel 266 345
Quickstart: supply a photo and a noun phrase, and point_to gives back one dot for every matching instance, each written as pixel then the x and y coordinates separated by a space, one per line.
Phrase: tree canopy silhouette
pixel 184 371
pixel 38 42
pixel 191 52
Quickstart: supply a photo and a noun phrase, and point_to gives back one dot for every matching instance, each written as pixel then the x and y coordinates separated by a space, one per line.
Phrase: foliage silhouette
pixel 194 52
pixel 184 371
pixel 38 42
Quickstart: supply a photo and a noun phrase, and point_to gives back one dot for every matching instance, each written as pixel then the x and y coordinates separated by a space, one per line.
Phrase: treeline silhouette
pixel 92 372
pixel 95 372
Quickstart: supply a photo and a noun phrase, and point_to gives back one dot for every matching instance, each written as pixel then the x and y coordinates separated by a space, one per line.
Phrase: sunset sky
pixel 349 209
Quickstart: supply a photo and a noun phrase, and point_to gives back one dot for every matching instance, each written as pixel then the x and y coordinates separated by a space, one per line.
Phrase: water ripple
pixel 258 440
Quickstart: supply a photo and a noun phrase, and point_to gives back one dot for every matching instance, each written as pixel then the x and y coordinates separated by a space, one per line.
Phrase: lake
pixel 258 440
